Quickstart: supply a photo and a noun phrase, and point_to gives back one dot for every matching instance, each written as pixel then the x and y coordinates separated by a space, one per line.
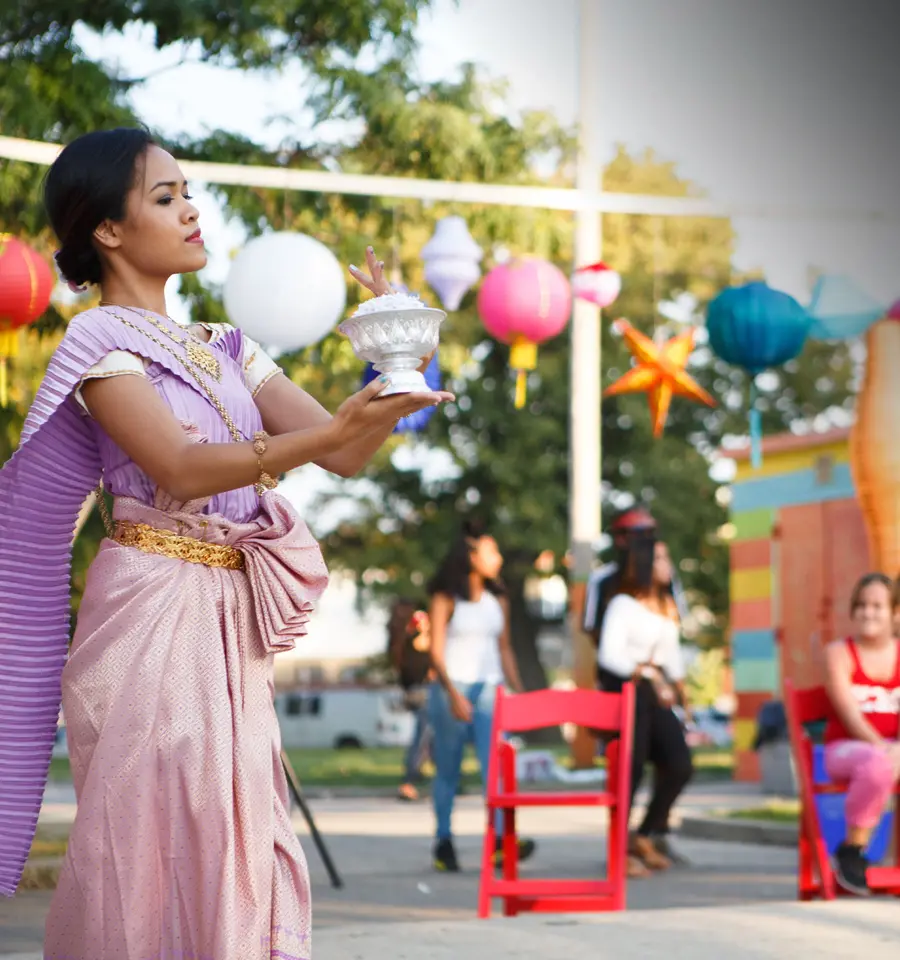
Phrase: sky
pixel 778 102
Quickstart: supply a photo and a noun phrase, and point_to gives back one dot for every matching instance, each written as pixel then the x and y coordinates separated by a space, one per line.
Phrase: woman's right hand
pixel 460 706
pixel 366 411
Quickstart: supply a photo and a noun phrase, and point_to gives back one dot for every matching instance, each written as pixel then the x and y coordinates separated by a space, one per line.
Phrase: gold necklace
pixel 232 427
pixel 236 434
pixel 198 353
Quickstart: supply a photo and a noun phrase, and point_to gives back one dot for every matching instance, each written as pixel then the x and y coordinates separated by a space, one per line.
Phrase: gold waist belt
pixel 168 544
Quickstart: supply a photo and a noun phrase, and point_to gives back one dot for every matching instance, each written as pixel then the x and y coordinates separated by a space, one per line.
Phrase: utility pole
pixel 584 418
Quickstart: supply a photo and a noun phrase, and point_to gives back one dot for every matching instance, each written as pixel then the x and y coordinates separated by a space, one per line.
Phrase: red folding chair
pixel 608 712
pixel 815 875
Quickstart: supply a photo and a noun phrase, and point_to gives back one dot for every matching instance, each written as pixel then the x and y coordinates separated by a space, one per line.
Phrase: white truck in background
pixel 343 718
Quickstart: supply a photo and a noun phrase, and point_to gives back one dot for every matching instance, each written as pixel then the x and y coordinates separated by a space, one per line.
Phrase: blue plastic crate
pixel 834 824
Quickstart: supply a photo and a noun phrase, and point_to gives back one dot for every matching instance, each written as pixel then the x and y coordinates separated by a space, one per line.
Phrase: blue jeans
pixel 413 760
pixel 450 737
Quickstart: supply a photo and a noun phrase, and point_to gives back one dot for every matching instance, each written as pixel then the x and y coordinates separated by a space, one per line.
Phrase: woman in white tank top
pixel 472 656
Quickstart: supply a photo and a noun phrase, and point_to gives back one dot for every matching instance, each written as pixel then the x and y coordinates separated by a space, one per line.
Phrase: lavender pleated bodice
pixel 122 477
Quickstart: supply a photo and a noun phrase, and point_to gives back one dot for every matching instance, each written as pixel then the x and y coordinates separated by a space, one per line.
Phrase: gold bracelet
pixel 260 446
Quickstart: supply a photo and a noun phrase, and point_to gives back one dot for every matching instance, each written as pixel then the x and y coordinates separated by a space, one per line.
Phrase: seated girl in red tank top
pixel 861 737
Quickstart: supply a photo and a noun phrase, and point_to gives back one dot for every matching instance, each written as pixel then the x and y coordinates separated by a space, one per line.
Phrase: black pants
pixel 659 739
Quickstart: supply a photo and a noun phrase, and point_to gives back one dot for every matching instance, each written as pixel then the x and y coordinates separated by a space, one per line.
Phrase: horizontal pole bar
pixel 410 188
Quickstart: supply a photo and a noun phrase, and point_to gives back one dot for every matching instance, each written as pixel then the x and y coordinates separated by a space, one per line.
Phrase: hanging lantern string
pixel 522 358
pixel 9 347
pixel 657 246
pixel 755 426
pixel 521 388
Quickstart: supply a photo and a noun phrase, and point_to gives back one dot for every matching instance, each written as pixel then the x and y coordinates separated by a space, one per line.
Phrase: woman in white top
pixel 639 641
pixel 472 656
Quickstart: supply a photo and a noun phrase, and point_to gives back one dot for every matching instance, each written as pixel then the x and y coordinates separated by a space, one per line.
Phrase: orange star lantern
pixel 660 373
pixel 26 283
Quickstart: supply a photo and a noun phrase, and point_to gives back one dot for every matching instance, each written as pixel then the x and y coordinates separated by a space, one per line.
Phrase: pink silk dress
pixel 182 847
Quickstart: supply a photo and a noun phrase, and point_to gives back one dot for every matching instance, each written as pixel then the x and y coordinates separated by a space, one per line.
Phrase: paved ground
pixel 774 931
pixel 382 848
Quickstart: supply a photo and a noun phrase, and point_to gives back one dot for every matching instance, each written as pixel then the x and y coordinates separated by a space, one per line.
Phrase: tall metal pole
pixel 584 436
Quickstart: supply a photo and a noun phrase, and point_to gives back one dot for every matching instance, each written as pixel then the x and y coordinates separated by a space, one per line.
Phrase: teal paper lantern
pixel 755 327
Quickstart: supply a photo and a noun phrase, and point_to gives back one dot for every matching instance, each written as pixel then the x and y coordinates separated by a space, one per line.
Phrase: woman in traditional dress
pixel 182 846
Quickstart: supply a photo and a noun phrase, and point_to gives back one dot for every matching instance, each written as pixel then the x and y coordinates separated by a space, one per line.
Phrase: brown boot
pixel 644 849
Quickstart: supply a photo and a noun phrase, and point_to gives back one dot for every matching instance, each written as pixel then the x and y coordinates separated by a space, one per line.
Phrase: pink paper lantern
pixel 523 303
pixel 597 284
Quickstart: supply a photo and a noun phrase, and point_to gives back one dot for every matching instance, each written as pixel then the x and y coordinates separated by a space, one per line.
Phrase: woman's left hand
pixel 375 279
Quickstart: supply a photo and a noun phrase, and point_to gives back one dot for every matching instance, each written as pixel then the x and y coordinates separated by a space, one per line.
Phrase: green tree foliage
pixel 51 91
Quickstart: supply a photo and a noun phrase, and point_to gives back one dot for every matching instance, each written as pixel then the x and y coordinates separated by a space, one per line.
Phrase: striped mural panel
pixel 753 584
pixel 792 489
pixel 749 704
pixel 752 524
pixel 751 614
pixel 751 553
pixel 799 472
pixel 744 733
pixel 792 462
pixel 755 676
pixel 753 644
pixel 746 767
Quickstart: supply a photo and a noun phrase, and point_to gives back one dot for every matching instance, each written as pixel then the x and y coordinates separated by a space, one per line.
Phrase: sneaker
pixel 850 870
pixel 526 849
pixel 444 857
pixel 665 848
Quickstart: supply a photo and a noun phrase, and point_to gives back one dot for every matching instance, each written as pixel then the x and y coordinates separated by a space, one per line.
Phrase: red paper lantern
pixel 523 303
pixel 26 283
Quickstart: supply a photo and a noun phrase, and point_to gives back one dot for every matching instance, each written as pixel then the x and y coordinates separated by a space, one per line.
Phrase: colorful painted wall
pixel 797 546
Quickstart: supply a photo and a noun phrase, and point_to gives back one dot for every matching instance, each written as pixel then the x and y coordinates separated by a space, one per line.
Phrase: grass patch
pixel 713 763
pixel 773 811
pixel 378 767
pixel 59 770
pixel 49 843
pixel 382 767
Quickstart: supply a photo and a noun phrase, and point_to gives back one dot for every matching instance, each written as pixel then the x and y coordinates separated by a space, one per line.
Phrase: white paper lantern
pixel 451 261
pixel 285 290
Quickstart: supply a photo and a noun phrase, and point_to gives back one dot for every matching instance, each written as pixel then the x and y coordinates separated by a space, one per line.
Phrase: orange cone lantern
pixel 26 283
pixel 874 451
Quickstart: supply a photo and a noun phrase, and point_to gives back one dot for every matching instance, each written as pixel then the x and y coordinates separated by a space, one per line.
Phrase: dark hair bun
pixel 88 184
pixel 79 265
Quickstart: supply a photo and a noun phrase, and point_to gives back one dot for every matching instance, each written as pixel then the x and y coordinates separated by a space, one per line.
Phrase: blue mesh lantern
pixel 840 309
pixel 756 327
pixel 416 421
